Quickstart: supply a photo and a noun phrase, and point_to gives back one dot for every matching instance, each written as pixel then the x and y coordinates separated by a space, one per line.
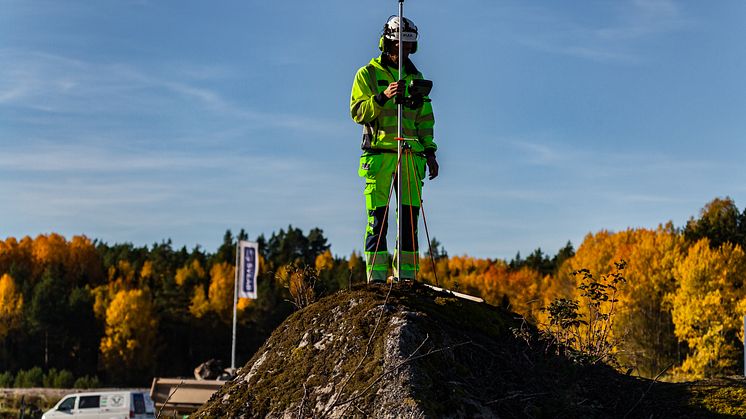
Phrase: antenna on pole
pixel 235 303
pixel 400 143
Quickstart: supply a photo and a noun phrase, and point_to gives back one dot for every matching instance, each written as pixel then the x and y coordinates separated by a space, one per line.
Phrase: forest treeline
pixel 123 314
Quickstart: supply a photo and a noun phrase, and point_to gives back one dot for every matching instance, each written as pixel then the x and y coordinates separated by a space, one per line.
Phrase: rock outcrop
pixel 411 352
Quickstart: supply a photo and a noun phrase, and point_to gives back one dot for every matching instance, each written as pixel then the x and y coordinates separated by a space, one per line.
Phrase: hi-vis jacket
pixel 379 121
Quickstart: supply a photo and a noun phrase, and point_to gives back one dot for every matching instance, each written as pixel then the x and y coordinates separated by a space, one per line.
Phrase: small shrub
pixel 301 282
pixel 49 377
pixel 6 379
pixel 86 382
pixel 585 337
pixel 64 379
pixel 31 378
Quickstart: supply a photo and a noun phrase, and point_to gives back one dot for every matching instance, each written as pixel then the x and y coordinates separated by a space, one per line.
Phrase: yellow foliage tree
pixel 146 272
pixel 644 317
pixel 222 282
pixel 219 298
pixel 708 308
pixel 191 272
pixel 199 305
pixel 355 263
pixel 324 261
pixel 128 345
pixel 11 306
pixel 644 326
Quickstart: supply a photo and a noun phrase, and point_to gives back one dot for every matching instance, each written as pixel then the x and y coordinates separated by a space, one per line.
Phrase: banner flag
pixel 248 268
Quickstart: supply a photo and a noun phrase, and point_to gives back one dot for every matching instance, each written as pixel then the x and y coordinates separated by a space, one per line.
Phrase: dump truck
pixel 181 396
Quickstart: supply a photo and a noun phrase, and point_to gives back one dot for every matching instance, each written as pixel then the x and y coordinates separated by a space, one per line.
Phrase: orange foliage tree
pixel 11 306
pixel 644 326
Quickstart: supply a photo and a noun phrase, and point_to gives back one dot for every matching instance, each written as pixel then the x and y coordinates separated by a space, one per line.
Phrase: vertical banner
pixel 248 268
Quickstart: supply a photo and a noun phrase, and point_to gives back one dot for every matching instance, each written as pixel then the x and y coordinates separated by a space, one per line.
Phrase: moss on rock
pixel 408 351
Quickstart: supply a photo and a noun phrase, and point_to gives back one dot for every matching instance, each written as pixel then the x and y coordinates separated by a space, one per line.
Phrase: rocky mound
pixel 408 351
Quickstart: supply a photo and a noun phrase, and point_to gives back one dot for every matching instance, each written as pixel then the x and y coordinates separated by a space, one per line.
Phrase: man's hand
pixel 432 166
pixel 394 88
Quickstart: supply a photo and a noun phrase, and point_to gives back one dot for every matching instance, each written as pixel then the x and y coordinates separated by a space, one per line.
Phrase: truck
pixel 181 396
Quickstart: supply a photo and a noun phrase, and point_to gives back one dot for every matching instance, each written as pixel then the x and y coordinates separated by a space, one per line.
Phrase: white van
pixel 123 404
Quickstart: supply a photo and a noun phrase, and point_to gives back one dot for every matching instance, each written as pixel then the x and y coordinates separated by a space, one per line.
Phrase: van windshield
pixel 67 404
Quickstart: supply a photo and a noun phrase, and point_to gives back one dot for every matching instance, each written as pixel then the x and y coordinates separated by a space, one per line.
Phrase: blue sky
pixel 137 121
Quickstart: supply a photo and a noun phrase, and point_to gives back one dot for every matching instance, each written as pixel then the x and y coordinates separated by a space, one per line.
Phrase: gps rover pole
pixel 400 143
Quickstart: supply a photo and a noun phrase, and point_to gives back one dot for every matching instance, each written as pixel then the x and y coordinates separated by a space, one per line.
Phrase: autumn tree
pixel 128 345
pixel 645 328
pixel 11 306
pixel 190 274
pixel 644 316
pixel 356 267
pixel 221 291
pixel 708 308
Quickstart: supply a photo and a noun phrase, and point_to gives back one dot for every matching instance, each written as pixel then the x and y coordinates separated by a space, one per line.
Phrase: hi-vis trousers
pixel 378 169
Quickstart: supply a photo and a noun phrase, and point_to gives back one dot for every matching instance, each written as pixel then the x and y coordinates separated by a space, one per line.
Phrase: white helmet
pixel 391 30
pixel 391 33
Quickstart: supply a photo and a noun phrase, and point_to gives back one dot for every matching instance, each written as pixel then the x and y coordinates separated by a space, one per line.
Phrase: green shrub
pixel 65 379
pixel 86 382
pixel 6 379
pixel 31 378
pixel 49 377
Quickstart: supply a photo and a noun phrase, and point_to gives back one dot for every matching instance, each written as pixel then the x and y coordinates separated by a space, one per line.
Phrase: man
pixel 373 104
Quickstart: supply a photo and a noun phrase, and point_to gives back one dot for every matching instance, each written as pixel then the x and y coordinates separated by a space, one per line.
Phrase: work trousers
pixel 379 171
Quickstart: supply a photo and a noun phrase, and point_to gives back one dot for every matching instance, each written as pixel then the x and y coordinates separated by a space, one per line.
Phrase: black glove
pixel 432 166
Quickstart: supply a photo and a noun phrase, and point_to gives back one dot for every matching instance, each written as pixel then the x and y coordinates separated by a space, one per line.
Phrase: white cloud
pixel 52 83
pixel 626 24
pixel 641 18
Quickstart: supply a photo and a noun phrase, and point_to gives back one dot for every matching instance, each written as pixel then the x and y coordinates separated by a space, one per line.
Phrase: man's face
pixel 406 50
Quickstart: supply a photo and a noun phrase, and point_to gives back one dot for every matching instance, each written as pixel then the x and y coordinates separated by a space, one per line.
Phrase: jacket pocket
pixel 370 164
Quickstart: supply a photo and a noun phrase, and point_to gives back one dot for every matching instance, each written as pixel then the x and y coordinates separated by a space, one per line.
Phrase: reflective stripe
pixel 391 123
pixel 409 114
pixel 409 258
pixel 426 118
pixel 372 75
pixel 379 270
pixel 409 265
pixel 381 260
pixel 377 276
pixel 417 123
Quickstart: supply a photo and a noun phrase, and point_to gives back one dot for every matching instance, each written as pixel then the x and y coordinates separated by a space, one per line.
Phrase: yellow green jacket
pixel 380 121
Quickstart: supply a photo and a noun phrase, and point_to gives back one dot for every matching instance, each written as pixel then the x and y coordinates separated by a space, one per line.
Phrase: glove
pixel 432 166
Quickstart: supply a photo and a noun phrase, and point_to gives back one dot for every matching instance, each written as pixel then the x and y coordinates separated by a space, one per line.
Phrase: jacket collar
pixel 383 61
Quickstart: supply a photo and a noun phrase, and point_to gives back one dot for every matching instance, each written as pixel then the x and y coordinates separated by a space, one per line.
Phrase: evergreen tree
pixel 720 222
